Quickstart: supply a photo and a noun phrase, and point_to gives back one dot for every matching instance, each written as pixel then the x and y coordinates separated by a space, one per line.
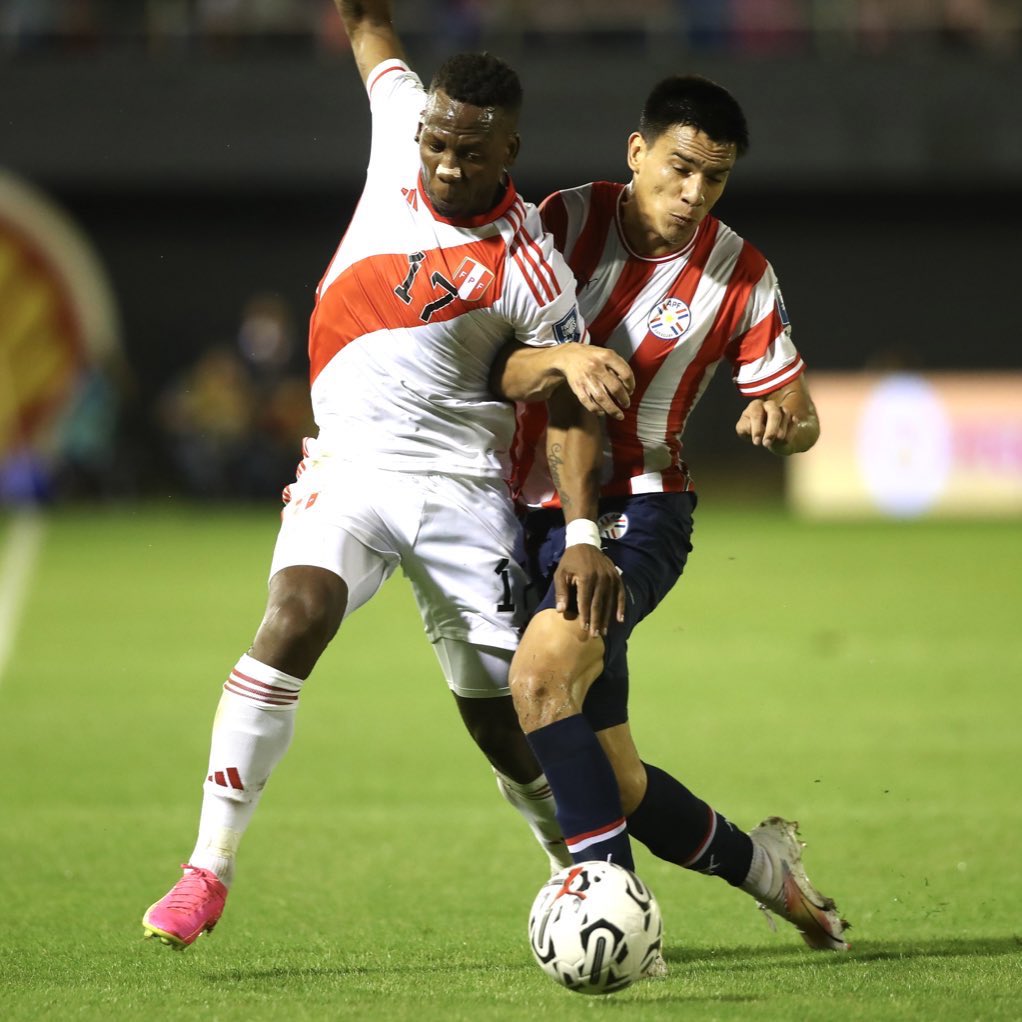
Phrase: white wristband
pixel 581 530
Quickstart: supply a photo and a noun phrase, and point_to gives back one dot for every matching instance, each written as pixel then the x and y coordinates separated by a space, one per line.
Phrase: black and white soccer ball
pixel 595 927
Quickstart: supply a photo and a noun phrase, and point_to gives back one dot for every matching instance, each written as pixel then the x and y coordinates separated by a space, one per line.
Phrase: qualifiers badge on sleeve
pixel 566 328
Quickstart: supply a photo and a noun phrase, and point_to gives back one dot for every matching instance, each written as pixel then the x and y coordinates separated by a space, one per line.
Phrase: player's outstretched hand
pixel 600 378
pixel 588 587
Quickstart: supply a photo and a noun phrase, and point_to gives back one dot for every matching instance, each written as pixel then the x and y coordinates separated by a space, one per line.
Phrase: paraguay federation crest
pixel 669 319
pixel 612 525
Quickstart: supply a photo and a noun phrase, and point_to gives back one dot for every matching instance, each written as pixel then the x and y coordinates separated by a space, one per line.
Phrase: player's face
pixel 464 151
pixel 676 181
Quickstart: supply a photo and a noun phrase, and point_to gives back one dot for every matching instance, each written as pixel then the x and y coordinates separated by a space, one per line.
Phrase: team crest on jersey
pixel 612 525
pixel 669 319
pixel 566 328
pixel 472 279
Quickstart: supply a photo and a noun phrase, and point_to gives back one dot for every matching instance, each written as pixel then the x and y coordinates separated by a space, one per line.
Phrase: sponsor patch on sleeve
pixel 567 328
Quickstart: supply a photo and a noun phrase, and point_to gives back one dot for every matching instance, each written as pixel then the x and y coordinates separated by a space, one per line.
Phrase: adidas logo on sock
pixel 229 778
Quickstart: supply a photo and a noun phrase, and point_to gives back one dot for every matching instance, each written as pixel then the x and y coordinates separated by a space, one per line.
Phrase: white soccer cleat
pixel 657 968
pixel 790 894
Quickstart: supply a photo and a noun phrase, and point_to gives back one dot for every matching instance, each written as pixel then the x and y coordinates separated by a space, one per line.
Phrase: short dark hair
pixel 696 101
pixel 480 79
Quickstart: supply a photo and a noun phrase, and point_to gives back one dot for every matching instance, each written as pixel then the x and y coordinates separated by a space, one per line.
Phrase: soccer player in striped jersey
pixel 675 292
pixel 441 265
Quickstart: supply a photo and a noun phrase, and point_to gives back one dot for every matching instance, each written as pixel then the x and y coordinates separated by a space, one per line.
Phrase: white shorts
pixel 455 539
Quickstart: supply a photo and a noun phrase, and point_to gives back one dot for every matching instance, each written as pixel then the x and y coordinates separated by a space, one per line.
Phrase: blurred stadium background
pixel 176 175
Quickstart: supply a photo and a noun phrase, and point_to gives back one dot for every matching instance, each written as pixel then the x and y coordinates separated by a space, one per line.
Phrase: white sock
pixel 251 732
pixel 761 874
pixel 535 802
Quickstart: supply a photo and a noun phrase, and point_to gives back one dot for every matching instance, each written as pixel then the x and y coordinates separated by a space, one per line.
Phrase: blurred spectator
pixel 167 25
pixel 235 421
pixel 266 336
pixel 283 411
pixel 94 456
pixel 768 27
pixel 207 417
pixel 460 24
pixel 974 24
pixel 727 26
pixel 707 24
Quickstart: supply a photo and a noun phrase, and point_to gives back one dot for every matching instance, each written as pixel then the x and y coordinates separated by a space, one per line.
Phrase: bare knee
pixel 541 694
pixel 303 613
pixel 552 670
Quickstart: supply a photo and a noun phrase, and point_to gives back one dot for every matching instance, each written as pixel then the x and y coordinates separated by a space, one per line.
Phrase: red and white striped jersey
pixel 413 308
pixel 673 319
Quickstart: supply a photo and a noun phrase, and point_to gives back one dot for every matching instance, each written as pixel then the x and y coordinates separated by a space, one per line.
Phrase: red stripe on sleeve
pixel 525 254
pixel 527 274
pixel 757 388
pixel 546 270
pixel 386 71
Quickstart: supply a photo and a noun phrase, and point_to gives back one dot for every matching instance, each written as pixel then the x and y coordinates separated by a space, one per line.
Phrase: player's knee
pixel 552 669
pixel 302 616
pixel 541 694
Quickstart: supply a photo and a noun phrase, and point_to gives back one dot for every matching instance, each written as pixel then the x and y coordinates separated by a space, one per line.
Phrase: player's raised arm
pixel 372 35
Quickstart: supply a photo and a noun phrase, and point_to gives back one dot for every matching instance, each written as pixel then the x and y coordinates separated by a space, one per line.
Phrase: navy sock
pixel 677 826
pixel 585 790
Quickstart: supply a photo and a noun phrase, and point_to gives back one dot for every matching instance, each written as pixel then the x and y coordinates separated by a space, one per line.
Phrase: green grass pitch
pixel 865 679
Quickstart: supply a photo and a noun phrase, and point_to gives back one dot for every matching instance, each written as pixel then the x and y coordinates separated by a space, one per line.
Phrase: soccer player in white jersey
pixel 441 265
pixel 675 292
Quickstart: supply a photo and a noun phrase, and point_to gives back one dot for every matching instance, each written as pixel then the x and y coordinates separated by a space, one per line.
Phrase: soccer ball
pixel 595 927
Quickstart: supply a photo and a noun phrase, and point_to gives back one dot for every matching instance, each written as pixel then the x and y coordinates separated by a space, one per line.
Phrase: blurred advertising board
pixel 909 445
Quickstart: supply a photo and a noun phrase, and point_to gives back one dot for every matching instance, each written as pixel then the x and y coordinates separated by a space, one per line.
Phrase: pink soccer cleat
pixel 189 909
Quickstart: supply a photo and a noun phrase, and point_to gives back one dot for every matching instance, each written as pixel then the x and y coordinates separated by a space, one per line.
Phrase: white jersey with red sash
pixel 414 306
pixel 673 319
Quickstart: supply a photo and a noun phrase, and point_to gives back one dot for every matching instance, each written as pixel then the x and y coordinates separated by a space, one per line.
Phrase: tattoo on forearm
pixel 555 460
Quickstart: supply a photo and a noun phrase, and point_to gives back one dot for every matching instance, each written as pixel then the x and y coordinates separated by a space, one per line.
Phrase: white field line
pixel 17 564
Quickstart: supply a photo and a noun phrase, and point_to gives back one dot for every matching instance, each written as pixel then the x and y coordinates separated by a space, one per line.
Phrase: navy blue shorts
pixel 648 536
